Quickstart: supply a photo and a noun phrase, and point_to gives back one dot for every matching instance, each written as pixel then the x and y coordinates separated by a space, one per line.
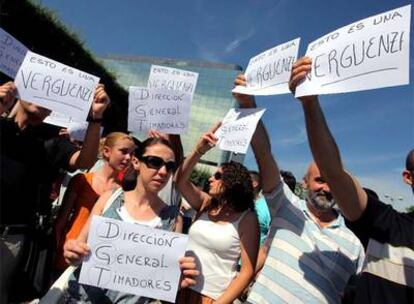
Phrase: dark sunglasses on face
pixel 155 162
pixel 217 175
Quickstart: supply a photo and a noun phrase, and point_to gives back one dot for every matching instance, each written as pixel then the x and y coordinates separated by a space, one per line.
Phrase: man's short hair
pixel 289 179
pixel 409 162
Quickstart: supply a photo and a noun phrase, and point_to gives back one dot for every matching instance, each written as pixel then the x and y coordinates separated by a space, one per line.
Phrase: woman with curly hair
pixel 226 229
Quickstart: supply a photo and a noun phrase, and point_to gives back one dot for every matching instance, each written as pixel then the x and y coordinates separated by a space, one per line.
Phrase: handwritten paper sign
pixel 12 53
pixel 367 54
pixel 268 73
pixel 77 130
pixel 56 86
pixel 60 120
pixel 133 258
pixel 172 79
pixel 160 109
pixel 237 128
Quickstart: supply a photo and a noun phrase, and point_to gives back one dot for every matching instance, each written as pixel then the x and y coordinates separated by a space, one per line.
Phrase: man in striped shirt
pixel 312 253
pixel 388 274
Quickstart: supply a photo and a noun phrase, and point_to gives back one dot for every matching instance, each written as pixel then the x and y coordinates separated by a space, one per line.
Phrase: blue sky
pixel 374 129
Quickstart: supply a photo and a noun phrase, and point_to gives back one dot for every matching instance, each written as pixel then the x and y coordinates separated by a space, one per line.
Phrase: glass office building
pixel 212 98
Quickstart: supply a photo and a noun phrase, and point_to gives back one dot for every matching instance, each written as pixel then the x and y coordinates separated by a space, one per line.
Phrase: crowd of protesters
pixel 253 238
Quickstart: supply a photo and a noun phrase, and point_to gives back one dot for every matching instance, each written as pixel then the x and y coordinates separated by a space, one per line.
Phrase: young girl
pixel 226 229
pixel 84 190
pixel 155 162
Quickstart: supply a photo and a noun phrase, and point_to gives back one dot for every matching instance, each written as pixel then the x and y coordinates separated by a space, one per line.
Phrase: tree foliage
pixel 200 177
pixel 40 30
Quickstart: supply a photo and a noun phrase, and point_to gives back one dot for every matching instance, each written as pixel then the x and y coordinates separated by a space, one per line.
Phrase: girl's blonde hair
pixel 111 140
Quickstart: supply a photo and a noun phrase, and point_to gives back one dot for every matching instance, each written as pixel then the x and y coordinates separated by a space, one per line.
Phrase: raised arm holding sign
pixel 388 267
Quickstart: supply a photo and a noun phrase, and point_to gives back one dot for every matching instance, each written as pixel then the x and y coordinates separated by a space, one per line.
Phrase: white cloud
pixel 236 42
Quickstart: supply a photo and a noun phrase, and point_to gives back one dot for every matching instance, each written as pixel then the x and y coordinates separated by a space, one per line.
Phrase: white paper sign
pixel 367 54
pixel 56 86
pixel 268 73
pixel 133 258
pixel 60 120
pixel 237 128
pixel 12 53
pixel 160 109
pixel 172 79
pixel 77 130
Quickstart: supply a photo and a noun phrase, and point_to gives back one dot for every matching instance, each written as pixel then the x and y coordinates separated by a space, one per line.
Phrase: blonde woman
pixel 84 190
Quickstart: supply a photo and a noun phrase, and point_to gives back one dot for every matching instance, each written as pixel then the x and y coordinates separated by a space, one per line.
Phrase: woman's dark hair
pixel 238 187
pixel 129 181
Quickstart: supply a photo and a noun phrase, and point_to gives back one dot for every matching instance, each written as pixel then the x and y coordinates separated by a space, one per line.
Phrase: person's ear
pixel 408 177
pixel 106 152
pixel 305 184
pixel 136 164
pixel 255 184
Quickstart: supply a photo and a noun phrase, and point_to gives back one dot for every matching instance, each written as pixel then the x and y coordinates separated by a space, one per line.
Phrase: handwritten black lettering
pixel 141 94
pixel 174 85
pixel 103 253
pixel 165 111
pixel 357 53
pixel 386 18
pixel 140 110
pixel 54 87
pixel 112 230
pixel 269 71
pixel 356 27
pixel 234 128
pixel 144 283
pixel 236 142
pixel 150 239
pixel 324 40
pixel 167 125
pixel 102 274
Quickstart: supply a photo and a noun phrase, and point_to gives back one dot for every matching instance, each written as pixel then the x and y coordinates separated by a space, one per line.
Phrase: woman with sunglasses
pixel 154 162
pixel 225 230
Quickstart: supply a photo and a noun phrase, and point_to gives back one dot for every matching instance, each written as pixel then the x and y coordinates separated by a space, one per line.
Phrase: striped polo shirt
pixel 306 263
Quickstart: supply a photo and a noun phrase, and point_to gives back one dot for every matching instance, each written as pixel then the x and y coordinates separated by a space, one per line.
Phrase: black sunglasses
pixel 155 162
pixel 217 175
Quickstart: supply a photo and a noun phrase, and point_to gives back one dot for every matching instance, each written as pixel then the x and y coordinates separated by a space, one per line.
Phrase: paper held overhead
pixel 268 73
pixel 56 86
pixel 367 54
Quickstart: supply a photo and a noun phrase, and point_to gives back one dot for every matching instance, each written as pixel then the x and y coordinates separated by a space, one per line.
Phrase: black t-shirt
pixel 29 160
pixel 380 222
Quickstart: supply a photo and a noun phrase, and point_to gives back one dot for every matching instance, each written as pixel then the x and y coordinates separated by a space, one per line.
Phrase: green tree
pixel 299 191
pixel 410 208
pixel 199 177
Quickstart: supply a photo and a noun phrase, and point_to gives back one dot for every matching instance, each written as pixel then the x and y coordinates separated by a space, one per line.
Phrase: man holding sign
pixel 388 274
pixel 311 253
pixel 31 155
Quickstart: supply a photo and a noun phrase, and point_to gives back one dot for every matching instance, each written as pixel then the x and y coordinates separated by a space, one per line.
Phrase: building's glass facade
pixel 212 98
